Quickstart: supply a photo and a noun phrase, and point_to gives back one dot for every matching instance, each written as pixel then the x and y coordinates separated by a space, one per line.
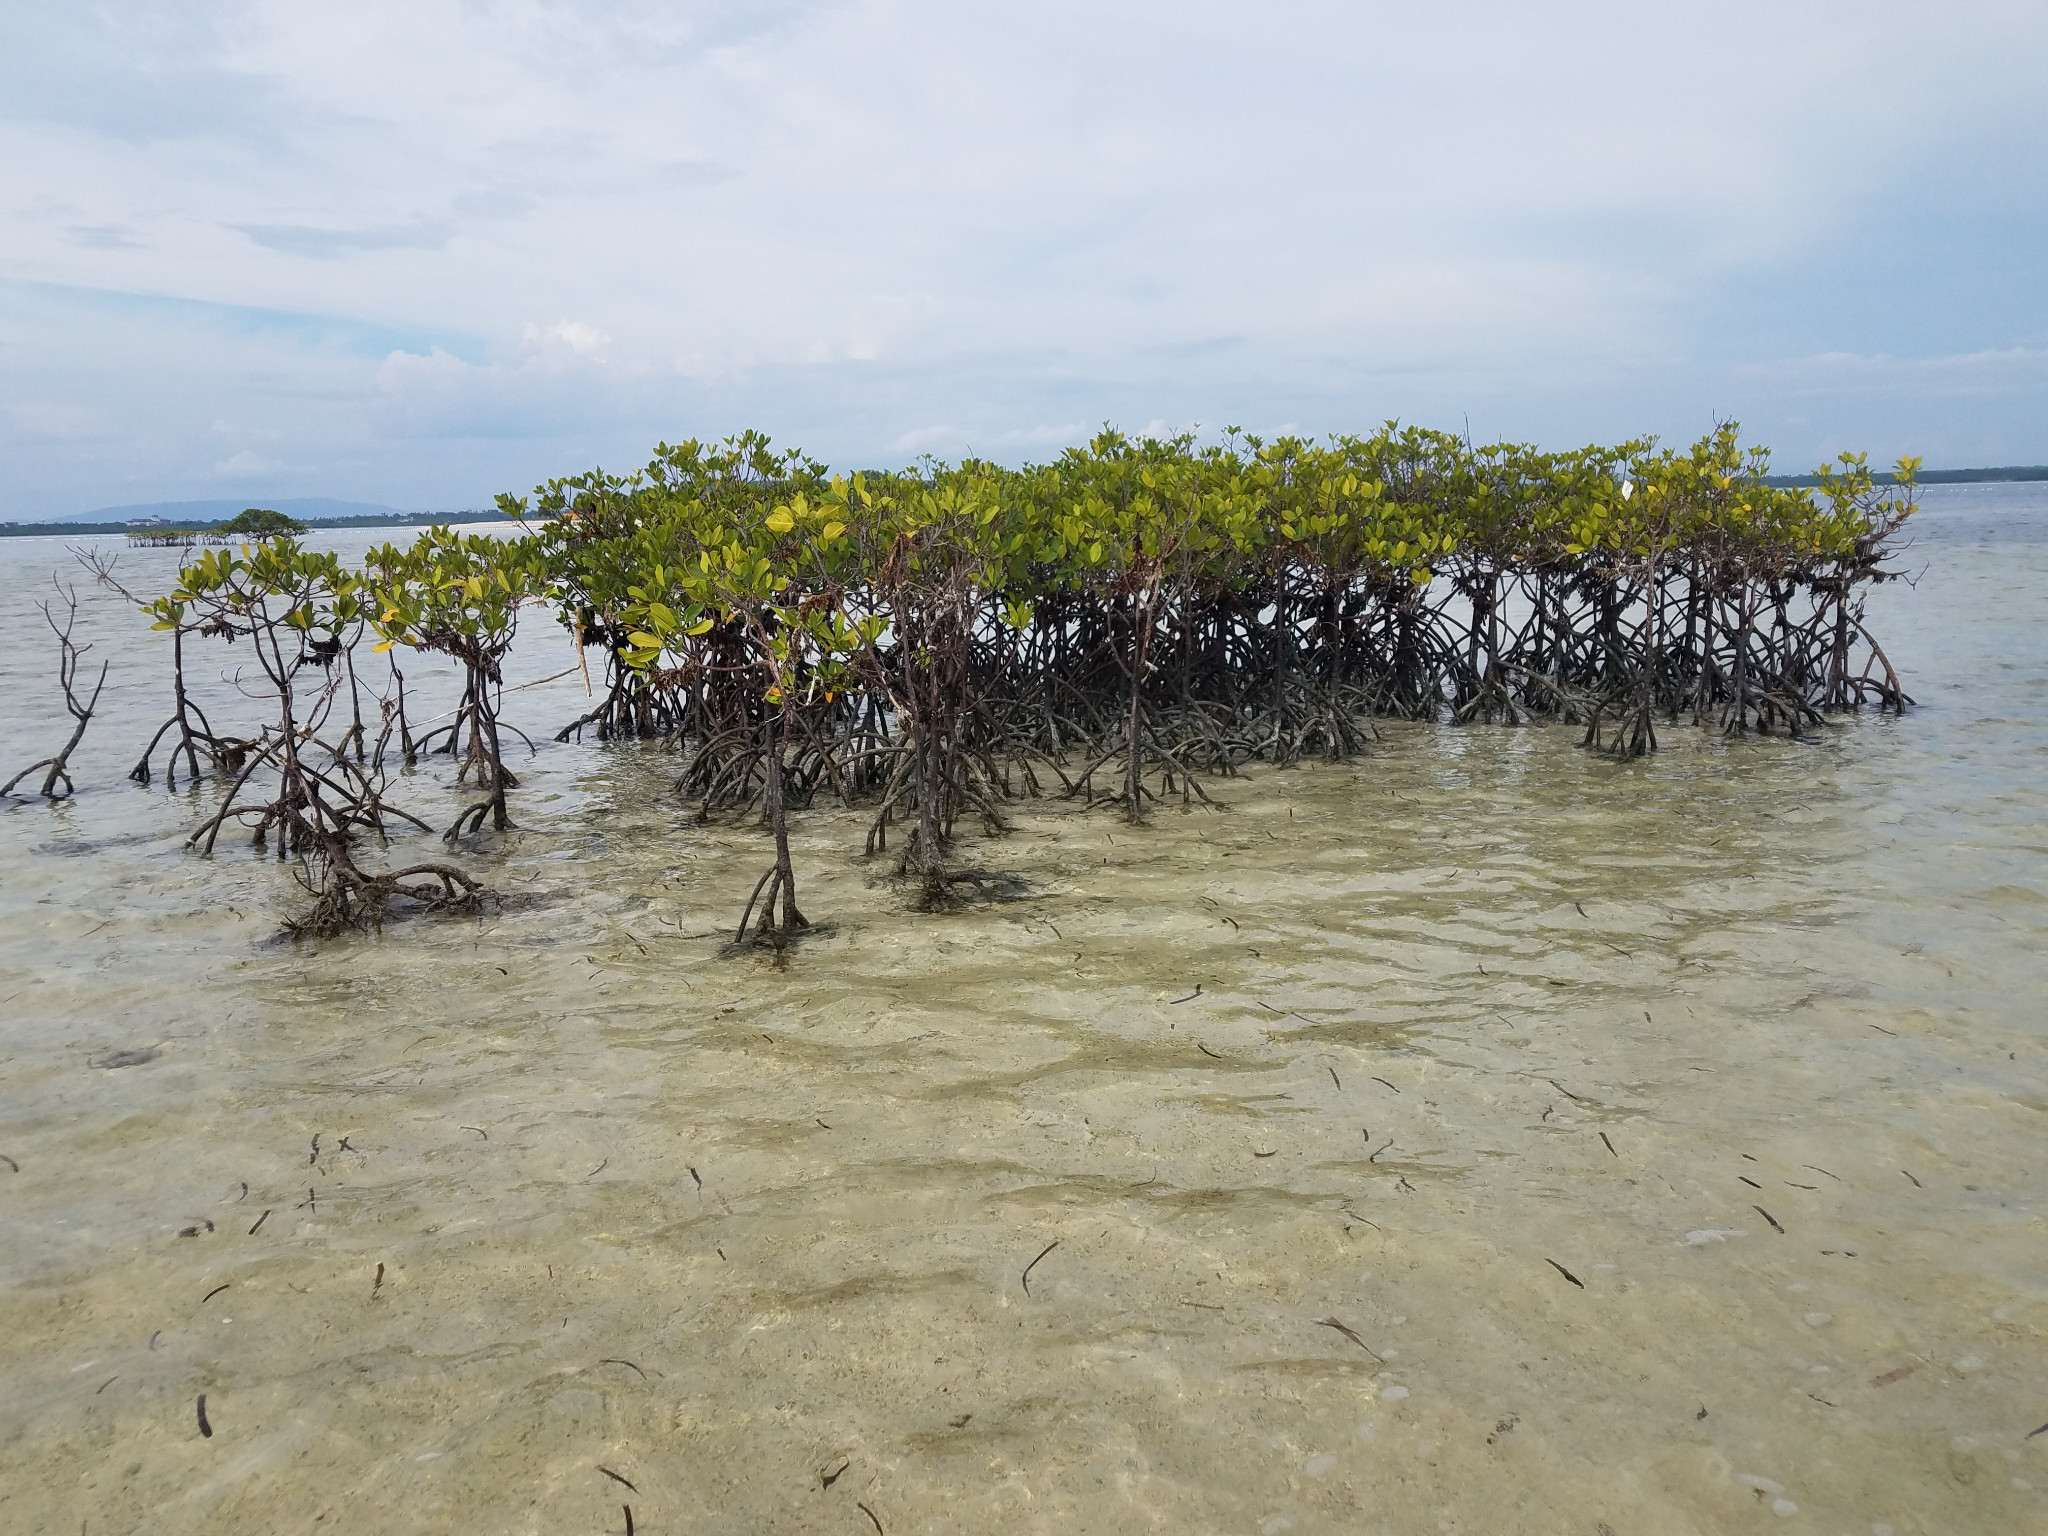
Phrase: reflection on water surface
pixel 1663 1137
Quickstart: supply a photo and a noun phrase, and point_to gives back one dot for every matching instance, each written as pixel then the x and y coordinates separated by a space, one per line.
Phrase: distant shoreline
pixel 2004 475
pixel 400 520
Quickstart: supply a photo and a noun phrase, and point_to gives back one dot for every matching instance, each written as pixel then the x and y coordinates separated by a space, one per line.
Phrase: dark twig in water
pixel 259 1222
pixel 1335 1079
pixel 1376 1156
pixel 1575 1280
pixel 629 1365
pixel 1206 1051
pixel 205 1428
pixel 1916 1183
pixel 96 1391
pixel 1190 997
pixel 478 1129
pixel 1752 1183
pixel 629 1518
pixel 608 1472
pixel 1351 1334
pixel 214 1292
pixel 1818 1169
pixel 871 1516
pixel 1048 1248
pixel 600 1168
pixel 1609 1144
pixel 1767 1216
pixel 1385 1084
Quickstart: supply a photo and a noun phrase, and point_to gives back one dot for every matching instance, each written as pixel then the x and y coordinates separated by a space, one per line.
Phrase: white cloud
pixel 925 440
pixel 53 419
pixel 583 340
pixel 1989 371
pixel 246 465
pixel 1054 435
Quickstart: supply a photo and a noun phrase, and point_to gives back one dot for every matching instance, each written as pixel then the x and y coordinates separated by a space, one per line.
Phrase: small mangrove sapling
pixel 80 710
pixel 459 595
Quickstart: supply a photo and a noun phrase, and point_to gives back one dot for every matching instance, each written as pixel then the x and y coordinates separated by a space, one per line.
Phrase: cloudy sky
pixel 421 252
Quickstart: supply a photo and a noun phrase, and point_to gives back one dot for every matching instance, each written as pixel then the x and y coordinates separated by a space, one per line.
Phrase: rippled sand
pixel 1664 1139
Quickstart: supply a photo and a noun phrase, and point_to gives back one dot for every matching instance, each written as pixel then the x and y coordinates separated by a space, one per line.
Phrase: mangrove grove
pixel 1121 626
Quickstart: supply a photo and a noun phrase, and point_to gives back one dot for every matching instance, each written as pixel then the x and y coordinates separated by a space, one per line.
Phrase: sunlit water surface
pixel 1747 1038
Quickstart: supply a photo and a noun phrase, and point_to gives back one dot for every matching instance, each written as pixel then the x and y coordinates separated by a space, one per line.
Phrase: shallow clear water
pixel 1474 1010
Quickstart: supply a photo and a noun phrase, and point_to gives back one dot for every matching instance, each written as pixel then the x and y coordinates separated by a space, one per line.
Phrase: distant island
pixel 201 516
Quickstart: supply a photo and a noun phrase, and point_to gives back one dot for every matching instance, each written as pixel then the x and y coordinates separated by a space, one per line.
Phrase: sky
pixel 420 253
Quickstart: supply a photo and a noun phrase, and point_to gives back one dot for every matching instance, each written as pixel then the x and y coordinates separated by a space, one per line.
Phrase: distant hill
pixel 307 509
